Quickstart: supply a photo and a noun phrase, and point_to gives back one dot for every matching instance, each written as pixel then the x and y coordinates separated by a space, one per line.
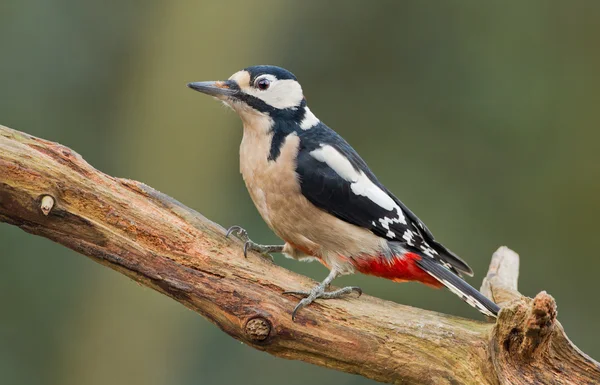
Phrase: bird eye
pixel 262 83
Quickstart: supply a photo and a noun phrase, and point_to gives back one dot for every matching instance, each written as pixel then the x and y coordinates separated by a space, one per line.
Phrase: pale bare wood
pixel 500 283
pixel 162 244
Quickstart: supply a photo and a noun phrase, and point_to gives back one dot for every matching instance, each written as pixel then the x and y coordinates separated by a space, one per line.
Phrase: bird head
pixel 259 90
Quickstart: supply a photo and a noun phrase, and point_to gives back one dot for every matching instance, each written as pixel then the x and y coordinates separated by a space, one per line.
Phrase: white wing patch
pixel 360 184
pixel 408 237
pixel 385 222
pixel 427 250
pixel 309 120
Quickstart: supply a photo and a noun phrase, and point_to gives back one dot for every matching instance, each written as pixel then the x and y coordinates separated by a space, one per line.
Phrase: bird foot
pixel 263 250
pixel 319 292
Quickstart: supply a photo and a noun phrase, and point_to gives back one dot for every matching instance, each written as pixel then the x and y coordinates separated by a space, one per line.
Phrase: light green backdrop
pixel 483 118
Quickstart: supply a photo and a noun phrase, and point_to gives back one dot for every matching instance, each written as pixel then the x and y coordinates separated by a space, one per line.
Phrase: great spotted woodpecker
pixel 318 195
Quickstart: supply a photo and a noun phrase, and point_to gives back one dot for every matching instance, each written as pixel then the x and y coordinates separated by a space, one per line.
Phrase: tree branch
pixel 48 190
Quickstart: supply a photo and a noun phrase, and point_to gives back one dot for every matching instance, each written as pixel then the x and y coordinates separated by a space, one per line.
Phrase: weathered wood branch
pixel 48 190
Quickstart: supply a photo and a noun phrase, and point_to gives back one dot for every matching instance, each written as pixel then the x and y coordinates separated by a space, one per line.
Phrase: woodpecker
pixel 319 196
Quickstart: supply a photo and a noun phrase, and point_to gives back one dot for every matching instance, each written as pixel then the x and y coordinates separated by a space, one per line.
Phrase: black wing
pixel 326 189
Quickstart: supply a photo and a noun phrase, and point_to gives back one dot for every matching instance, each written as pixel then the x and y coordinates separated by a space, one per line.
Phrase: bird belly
pixel 308 230
pixel 274 188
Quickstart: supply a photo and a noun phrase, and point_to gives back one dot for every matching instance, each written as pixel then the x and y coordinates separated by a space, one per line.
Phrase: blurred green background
pixel 483 118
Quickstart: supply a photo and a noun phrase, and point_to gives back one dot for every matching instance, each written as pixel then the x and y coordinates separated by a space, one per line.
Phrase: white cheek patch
pixel 360 184
pixel 281 94
pixel 309 120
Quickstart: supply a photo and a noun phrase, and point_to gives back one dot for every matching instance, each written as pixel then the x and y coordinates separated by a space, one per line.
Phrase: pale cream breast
pixel 275 190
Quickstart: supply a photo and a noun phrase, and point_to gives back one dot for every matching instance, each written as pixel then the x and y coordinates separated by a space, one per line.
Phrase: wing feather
pixel 336 179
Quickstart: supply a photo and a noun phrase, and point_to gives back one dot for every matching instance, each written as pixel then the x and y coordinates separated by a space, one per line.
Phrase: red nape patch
pixel 401 268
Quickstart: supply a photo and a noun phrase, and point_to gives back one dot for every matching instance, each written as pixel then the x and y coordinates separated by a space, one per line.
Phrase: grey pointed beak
pixel 218 88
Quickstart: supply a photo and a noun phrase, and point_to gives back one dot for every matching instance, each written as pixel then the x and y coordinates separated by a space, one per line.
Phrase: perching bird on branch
pixel 316 193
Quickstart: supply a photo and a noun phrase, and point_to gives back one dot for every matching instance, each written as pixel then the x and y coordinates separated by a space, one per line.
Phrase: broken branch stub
pixel 46 204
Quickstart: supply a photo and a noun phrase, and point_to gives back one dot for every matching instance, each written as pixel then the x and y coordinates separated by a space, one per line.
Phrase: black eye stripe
pixel 295 113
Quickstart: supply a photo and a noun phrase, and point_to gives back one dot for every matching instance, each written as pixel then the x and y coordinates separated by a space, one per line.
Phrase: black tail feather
pixel 459 287
pixel 451 258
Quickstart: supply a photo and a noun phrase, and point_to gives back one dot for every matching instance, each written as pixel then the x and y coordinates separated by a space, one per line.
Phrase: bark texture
pixel 47 189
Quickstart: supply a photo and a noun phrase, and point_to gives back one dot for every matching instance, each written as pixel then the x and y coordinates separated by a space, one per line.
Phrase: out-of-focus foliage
pixel 483 118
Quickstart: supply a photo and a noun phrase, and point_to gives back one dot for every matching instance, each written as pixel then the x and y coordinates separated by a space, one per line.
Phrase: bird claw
pixel 319 292
pixel 238 231
pixel 242 235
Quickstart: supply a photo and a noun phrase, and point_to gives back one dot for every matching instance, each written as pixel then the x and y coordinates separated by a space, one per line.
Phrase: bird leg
pixel 264 250
pixel 319 292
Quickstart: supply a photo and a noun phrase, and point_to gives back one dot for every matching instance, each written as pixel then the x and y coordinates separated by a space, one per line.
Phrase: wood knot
pixel 526 325
pixel 46 204
pixel 258 329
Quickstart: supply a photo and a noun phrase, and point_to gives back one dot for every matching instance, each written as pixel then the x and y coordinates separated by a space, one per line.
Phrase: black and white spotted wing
pixel 334 178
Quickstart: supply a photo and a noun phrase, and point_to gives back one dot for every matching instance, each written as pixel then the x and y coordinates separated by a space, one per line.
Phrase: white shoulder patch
pixel 309 120
pixel 360 184
pixel 338 162
pixel 365 187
